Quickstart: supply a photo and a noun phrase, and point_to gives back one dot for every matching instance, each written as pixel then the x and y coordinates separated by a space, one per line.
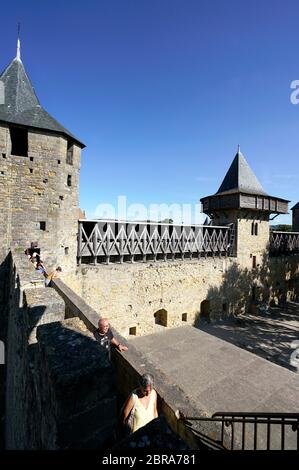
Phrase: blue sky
pixel 162 91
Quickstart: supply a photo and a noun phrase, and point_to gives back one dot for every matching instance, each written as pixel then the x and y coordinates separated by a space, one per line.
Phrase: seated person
pixel 54 275
pixel 40 268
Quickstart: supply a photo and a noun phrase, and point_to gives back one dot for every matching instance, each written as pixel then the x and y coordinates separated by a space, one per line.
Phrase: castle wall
pixel 35 189
pixel 130 294
pixel 57 396
pixel 247 244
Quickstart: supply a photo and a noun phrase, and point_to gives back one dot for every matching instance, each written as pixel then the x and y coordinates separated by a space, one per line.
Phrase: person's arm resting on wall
pixel 118 345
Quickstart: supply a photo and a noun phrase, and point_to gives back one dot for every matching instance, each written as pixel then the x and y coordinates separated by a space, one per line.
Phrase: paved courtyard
pixel 268 334
pixel 220 376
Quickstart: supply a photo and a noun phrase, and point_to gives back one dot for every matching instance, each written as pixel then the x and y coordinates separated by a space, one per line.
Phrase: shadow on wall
pixel 3 334
pixel 60 390
pixel 273 282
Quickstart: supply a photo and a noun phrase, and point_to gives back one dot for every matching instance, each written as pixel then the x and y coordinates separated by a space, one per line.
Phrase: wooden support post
pixel 95 244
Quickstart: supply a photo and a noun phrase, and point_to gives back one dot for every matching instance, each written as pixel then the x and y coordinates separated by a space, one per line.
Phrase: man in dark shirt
pixel 105 337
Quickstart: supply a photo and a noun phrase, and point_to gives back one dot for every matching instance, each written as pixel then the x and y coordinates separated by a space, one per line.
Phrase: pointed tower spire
pixel 240 178
pixel 18 56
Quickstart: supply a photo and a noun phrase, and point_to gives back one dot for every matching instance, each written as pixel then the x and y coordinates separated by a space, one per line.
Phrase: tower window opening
pixel 184 316
pixel 256 229
pixel 19 141
pixel 69 180
pixel 42 226
pixel 31 170
pixel 66 250
pixel 254 262
pixel 3 155
pixel 70 153
pixel 31 159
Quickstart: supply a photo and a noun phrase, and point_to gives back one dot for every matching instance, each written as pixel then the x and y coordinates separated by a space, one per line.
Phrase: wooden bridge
pixel 284 243
pixel 110 241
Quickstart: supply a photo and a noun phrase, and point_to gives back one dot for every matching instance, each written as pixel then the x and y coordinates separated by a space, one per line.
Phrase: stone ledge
pixel 131 364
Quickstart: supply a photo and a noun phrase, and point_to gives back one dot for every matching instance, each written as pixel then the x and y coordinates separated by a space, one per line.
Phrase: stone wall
pixel 131 294
pixel 60 388
pixel 35 189
pixel 129 366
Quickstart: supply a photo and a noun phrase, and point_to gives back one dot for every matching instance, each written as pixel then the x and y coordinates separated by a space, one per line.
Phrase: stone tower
pixel 242 201
pixel 39 173
pixel 295 218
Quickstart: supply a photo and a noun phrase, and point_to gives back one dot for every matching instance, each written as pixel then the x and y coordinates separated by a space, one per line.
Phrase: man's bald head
pixel 103 325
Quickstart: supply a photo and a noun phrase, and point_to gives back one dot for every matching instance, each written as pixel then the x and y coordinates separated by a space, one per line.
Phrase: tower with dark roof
pixel 242 201
pixel 39 173
pixel 295 218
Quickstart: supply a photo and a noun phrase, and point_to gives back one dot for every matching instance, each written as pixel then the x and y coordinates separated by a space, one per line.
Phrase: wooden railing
pixel 104 241
pixel 284 243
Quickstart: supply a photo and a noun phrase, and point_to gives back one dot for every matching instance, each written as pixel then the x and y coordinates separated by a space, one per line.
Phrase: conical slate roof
pixel 21 105
pixel 240 178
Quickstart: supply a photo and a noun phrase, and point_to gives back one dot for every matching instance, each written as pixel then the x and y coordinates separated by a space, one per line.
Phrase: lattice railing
pixel 109 241
pixel 284 243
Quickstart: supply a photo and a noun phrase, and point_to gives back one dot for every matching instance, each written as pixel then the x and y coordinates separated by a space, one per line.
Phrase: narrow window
pixel 19 141
pixel 224 308
pixel 254 262
pixel 256 229
pixel 31 159
pixel 69 180
pixel 184 316
pixel 70 153
pixel 58 161
pixel 252 228
pixel 3 155
pixel 133 330
pixel 42 226
pixel 31 170
pixel 66 250
pixel 253 293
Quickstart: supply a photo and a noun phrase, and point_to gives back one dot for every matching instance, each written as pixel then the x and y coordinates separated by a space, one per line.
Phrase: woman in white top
pixel 142 403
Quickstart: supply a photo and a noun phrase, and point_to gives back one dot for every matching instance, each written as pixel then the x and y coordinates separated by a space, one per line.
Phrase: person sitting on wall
pixel 141 406
pixel 27 253
pixel 106 338
pixel 54 275
pixel 34 257
pixel 40 268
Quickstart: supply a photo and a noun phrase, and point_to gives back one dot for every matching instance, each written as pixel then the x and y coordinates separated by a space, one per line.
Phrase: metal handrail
pixel 229 419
